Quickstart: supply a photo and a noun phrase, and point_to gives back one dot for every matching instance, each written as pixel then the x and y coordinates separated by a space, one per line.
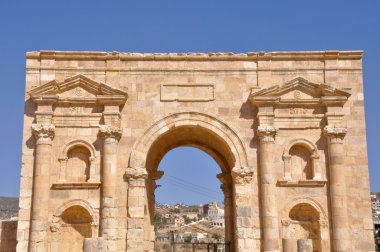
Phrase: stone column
pixel 136 177
pixel 268 189
pixel 338 193
pixel 244 228
pixel 109 226
pixel 44 135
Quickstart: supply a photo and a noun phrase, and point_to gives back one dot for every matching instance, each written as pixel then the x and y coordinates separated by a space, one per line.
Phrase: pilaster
pixel 136 177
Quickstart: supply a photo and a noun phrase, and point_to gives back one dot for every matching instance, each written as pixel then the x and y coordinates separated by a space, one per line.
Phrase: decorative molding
pixel 102 93
pixel 76 185
pixel 304 92
pixel 249 56
pixel 141 147
pixel 302 183
pixel 78 121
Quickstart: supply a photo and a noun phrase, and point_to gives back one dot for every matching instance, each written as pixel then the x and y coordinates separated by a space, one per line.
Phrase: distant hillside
pixel 8 207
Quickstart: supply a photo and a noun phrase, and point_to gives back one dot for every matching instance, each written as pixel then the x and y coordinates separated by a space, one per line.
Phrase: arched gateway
pixel 208 134
pixel 286 128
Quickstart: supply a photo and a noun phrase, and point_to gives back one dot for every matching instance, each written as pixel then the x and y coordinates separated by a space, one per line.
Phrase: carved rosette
pixel 44 133
pixel 110 133
pixel 267 133
pixel 242 175
pixel 335 134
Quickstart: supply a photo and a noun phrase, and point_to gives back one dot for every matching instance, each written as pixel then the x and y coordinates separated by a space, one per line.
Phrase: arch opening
pixel 212 144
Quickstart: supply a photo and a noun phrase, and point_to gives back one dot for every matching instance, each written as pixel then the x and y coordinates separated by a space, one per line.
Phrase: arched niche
pixel 301 164
pixel 72 222
pixel 305 219
pixel 83 155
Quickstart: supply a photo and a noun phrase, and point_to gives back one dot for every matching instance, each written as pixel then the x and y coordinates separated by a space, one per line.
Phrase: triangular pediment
pixel 298 90
pixel 78 87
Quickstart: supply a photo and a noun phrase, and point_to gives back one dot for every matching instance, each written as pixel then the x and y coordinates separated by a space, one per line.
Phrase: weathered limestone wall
pixel 216 86
pixel 8 235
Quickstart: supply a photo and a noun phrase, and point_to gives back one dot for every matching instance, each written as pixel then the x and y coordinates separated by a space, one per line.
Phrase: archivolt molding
pixel 303 142
pixel 141 147
pixel 56 220
pixel 310 201
pixel 78 142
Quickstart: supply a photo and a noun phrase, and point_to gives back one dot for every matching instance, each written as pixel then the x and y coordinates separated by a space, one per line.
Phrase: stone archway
pixel 208 134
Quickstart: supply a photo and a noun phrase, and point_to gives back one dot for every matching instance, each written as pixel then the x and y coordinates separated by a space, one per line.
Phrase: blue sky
pixel 180 26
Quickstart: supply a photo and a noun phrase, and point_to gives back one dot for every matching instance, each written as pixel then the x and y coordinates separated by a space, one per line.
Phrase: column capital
pixel 267 133
pixel 335 134
pixel 110 132
pixel 242 175
pixel 44 133
pixel 135 173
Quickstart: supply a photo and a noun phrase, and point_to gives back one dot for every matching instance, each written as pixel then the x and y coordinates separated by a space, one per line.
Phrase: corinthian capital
pixel 43 132
pixel 136 173
pixel 267 133
pixel 110 132
pixel 242 175
pixel 335 134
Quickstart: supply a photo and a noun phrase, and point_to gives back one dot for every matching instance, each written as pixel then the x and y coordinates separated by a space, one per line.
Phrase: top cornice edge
pixel 249 56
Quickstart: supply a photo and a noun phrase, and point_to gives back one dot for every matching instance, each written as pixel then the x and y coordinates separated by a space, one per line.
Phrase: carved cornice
pixel 44 133
pixel 249 56
pixel 335 134
pixel 242 175
pixel 136 173
pixel 267 133
pixel 110 132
